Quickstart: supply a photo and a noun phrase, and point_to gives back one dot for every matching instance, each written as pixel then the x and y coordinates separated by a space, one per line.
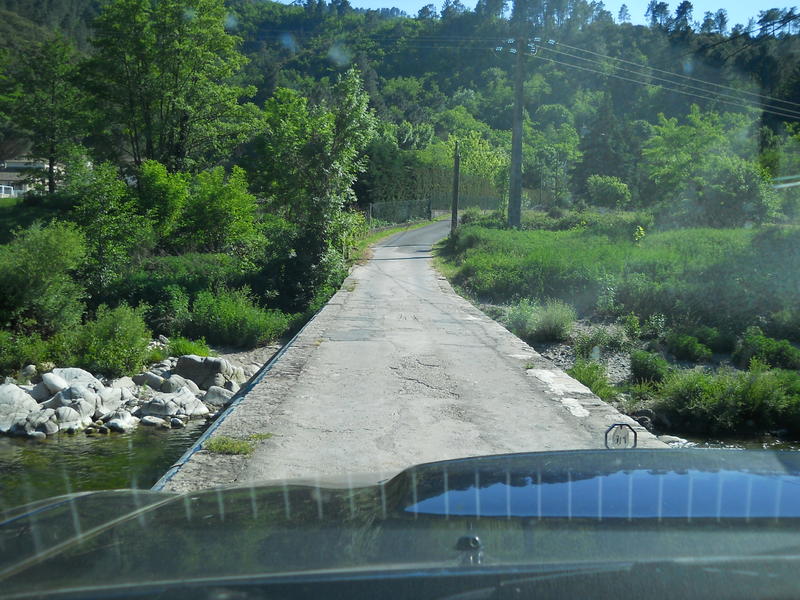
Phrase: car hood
pixel 524 508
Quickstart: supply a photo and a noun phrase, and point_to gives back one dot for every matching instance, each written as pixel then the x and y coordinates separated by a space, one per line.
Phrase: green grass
pixel 223 444
pixel 178 346
pixel 593 375
pixel 228 445
pixel 722 278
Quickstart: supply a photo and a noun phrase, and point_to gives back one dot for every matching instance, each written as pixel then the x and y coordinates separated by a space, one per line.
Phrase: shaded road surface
pixel 399 370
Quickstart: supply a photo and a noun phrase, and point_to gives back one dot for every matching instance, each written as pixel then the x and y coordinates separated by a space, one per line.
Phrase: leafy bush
pixel 648 367
pixel 470 215
pixel 191 272
pixel 732 191
pixel 714 339
pixel 179 346
pixel 632 326
pixel 171 315
pixel 608 191
pixel 785 324
pixel 107 214
pixel 605 339
pixel 18 350
pixel 115 343
pixel 593 375
pixel 521 318
pixel 220 214
pixel 687 347
pixel 162 196
pixel 776 353
pixel 617 224
pixel 231 317
pixel 39 293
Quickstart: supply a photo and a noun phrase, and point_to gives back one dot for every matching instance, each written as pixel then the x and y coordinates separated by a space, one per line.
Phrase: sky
pixel 738 11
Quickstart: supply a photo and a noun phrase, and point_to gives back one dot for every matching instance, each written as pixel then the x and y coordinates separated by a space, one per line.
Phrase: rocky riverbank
pixel 167 395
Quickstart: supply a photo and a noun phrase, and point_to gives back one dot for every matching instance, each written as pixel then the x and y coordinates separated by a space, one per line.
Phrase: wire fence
pixel 431 194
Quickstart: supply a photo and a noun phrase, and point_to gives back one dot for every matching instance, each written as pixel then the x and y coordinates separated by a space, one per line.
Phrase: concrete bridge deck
pixel 396 370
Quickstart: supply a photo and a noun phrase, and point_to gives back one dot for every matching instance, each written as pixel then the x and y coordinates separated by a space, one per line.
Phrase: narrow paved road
pixel 398 370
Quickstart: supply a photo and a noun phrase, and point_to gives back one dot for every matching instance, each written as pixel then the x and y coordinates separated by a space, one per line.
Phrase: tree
pixel 683 16
pixel 163 72
pixel 107 214
pixel 624 15
pixel 39 292
pixel 51 108
pixel 307 161
pixel 721 20
pixel 658 12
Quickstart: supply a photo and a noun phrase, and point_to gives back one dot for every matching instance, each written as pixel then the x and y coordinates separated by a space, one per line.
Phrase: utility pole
pixel 454 205
pixel 515 183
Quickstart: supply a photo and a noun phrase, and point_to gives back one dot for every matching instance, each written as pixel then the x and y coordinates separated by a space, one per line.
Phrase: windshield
pixel 254 241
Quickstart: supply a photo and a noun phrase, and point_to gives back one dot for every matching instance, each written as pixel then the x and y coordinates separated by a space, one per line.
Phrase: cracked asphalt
pixel 398 370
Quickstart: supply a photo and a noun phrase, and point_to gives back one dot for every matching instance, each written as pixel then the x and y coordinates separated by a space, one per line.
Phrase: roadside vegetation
pixel 708 316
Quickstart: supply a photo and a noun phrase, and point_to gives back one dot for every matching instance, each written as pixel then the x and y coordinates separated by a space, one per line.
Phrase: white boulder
pixel 15 406
pixel 54 382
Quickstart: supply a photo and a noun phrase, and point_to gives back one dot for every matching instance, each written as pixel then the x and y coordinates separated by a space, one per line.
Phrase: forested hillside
pixel 207 163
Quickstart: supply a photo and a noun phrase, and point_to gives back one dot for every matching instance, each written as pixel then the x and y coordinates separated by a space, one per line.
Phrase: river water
pixel 61 464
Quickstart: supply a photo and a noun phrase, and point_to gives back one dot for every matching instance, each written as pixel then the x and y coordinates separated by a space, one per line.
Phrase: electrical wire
pixel 679 75
pixel 660 86
pixel 747 102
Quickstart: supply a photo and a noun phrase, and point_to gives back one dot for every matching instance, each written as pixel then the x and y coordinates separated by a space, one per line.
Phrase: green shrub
pixel 633 328
pixel 470 215
pixel 220 214
pixel 654 326
pixel 776 353
pixel 730 402
pixel 18 350
pixel 785 324
pixel 115 342
pixel 521 318
pixel 232 318
pixel 714 339
pixel 162 196
pixel 606 339
pixel 608 191
pixel 179 346
pixel 38 292
pixel 593 375
pixel 554 321
pixel 171 315
pixel 687 347
pixel 551 322
pixel 648 367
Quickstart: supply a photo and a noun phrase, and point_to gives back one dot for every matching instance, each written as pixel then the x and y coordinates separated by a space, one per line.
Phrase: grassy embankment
pixel 685 294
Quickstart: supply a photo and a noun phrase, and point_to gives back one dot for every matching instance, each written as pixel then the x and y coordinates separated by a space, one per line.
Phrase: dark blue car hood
pixel 526 509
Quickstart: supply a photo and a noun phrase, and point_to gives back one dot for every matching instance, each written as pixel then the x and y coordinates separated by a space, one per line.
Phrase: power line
pixel 660 86
pixel 765 97
pixel 745 102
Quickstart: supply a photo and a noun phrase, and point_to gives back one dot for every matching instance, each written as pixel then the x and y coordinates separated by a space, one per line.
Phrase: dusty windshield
pixel 254 241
